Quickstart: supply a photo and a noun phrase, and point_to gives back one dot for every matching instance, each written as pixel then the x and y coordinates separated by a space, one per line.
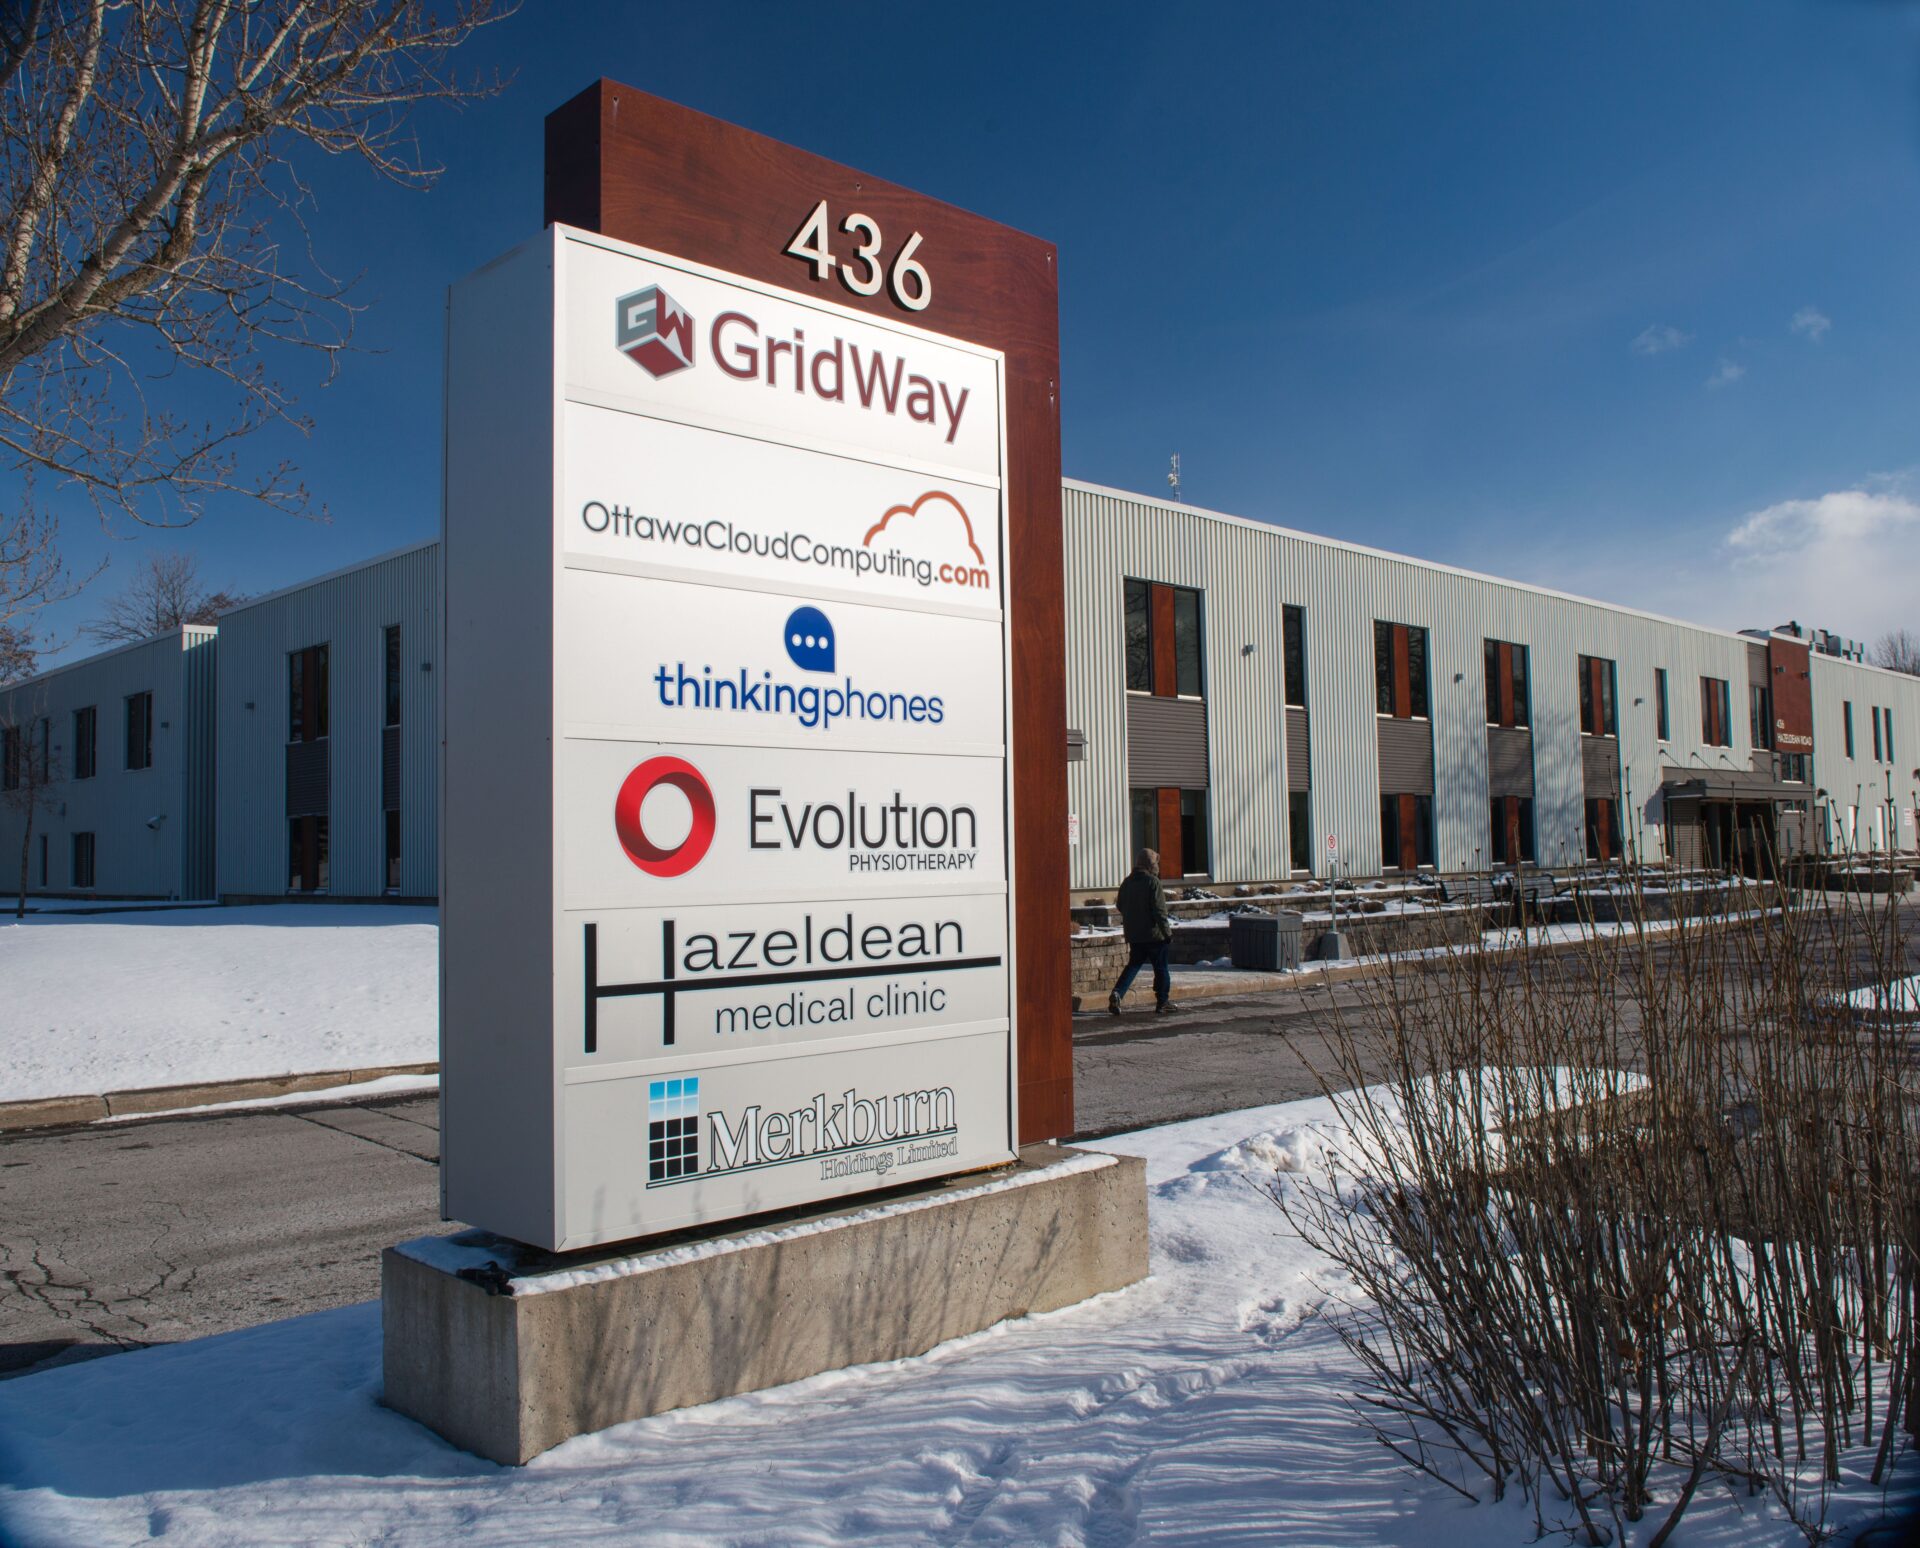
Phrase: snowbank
pixel 116 1002
pixel 1210 1404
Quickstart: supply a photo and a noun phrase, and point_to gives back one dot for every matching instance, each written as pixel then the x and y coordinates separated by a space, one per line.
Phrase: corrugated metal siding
pixel 1509 761
pixel 349 614
pixel 1859 782
pixel 1166 742
pixel 1600 767
pixel 1249 572
pixel 145 822
pixel 307 784
pixel 1406 757
pixel 1299 749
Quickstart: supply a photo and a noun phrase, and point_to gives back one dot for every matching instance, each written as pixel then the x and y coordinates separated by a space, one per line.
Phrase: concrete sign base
pixel 507 1352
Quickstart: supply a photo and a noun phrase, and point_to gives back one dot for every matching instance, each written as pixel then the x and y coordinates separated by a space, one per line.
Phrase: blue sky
pixel 1619 298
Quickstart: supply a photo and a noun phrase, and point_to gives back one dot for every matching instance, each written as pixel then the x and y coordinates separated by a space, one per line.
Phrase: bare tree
pixel 1899 651
pixel 18 653
pixel 147 194
pixel 29 767
pixel 165 593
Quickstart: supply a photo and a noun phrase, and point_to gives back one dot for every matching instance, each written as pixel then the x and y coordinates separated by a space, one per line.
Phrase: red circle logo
pixel 641 850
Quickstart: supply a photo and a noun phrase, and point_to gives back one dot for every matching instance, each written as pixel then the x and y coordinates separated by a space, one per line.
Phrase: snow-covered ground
pixel 1210 1404
pixel 1900 998
pixel 117 1001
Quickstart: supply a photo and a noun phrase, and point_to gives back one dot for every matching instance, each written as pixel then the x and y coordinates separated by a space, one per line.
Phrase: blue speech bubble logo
pixel 809 640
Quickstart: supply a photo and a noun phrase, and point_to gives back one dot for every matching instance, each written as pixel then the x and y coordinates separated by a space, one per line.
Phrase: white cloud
pixel 1833 561
pixel 1811 323
pixel 1658 338
pixel 1726 373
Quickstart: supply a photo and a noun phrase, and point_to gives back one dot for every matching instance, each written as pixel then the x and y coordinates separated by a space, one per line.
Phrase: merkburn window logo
pixel 847 1135
pixel 655 331
pixel 937 521
pixel 657 859
pixel 808 637
pixel 673 1128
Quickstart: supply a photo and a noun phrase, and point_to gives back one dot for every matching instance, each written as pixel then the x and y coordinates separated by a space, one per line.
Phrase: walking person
pixel 1149 931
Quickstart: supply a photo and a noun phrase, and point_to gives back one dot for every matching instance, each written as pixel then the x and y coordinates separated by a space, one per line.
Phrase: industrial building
pixel 1256 703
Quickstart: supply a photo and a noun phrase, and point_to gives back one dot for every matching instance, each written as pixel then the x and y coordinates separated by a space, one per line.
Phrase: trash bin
pixel 1265 943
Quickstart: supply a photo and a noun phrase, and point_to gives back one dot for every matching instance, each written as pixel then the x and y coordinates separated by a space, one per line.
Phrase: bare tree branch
pixel 147 195
pixel 165 593
pixel 1898 650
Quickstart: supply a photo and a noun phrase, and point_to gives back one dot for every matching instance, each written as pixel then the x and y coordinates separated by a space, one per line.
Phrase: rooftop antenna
pixel 1173 477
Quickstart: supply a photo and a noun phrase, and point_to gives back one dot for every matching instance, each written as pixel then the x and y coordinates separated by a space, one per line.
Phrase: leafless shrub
pixel 1636 1216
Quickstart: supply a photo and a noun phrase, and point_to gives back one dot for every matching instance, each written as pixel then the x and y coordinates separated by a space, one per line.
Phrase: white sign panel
pixel 668 661
pixel 773 649
pixel 682 500
pixel 709 349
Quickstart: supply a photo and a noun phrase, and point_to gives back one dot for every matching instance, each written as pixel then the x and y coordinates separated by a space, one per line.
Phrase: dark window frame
pixel 86 741
pixel 139 730
pixel 82 860
pixel 1293 628
pixel 1662 716
pixel 392 648
pixel 1402 651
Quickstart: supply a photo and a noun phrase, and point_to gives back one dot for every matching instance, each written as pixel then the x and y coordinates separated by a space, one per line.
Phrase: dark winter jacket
pixel 1143 909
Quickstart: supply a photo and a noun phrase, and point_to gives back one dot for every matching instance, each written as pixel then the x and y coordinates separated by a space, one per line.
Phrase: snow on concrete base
pixel 118 1002
pixel 1208 1405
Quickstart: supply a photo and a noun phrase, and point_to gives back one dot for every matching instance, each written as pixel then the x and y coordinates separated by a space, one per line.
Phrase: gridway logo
pixel 659 859
pixel 654 330
pixel 673 1128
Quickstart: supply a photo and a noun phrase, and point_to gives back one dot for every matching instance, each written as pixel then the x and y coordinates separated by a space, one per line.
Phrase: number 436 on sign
pixel 907 282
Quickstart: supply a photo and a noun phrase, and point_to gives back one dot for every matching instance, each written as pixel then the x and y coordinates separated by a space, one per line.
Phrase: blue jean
pixel 1143 953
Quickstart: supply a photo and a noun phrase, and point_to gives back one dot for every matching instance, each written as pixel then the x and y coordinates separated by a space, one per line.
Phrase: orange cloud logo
pixel 910 511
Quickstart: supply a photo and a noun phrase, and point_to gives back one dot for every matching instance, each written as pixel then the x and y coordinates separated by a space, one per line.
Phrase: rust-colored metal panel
pixel 1402 674
pixel 1503 673
pixel 1166 664
pixel 1791 667
pixel 645 170
pixel 1172 861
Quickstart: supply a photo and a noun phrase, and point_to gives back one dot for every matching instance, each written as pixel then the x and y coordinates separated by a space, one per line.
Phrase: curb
pixel 63 1112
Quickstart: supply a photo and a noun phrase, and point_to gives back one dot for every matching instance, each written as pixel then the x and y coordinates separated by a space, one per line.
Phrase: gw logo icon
pixel 809 640
pixel 655 330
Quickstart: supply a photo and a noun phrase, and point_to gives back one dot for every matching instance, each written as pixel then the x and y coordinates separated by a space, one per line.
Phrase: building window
pixel 1406 832
pixel 1139 638
pixel 1597 710
pixel 1193 833
pixel 1603 828
pixel 307 694
pixel 1300 829
pixel 307 866
pixel 1186 642
pixel 86 742
pixel 140 730
pixel 1512 829
pixel 43 860
pixel 1846 724
pixel 393 851
pixel 1400 670
pixel 1145 821
pixel 1507 684
pixel 1873 711
pixel 1662 724
pixel 1793 767
pixel 1716 712
pixel 1294 627
pixel 1163 626
pixel 1759 716
pixel 82 869
pixel 393 675
pixel 9 758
